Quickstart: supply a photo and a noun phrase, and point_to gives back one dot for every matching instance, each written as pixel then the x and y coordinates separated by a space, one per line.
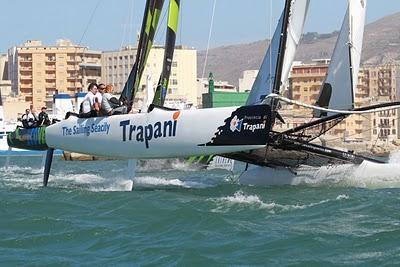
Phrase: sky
pixel 110 24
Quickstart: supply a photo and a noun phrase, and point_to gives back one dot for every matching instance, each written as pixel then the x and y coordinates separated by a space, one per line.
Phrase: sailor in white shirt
pixel 90 99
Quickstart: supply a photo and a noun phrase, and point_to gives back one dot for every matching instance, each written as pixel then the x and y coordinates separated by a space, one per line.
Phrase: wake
pixel 366 175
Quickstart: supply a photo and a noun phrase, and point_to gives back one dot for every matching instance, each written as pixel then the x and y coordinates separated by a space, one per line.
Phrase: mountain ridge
pixel 381 45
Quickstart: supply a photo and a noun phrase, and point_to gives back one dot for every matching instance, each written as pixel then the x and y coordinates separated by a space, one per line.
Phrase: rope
pixel 76 72
pixel 89 22
pixel 209 39
pixel 271 35
pixel 156 35
pixel 180 29
pixel 345 112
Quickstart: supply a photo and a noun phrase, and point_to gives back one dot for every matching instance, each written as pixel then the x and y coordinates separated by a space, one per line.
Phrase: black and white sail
pixel 339 87
pixel 275 68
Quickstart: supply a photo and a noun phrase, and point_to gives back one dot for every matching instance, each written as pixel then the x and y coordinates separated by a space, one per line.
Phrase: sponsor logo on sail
pixel 146 133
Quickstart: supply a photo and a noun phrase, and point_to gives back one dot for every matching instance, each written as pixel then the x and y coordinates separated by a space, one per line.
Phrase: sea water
pixel 180 215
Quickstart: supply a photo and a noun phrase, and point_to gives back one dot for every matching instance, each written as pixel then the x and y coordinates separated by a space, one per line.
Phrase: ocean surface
pixel 181 215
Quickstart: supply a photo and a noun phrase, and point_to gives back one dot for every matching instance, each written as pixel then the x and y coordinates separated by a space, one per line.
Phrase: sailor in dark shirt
pixel 44 118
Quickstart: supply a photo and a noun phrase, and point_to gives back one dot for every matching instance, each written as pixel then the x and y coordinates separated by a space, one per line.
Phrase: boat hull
pixel 164 133
pixel 31 139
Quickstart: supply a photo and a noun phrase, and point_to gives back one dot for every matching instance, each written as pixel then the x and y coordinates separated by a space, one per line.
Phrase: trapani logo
pixel 239 125
pixel 145 133
pixel 236 124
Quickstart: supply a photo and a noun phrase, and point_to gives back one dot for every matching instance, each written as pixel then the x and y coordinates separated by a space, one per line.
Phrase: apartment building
pixel 116 66
pixel 382 83
pixel 37 72
pixel 376 84
pixel 305 81
pixel 5 83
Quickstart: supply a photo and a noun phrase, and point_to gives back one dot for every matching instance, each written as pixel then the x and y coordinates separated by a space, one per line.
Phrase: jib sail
pixel 337 91
pixel 149 25
pixel 173 15
pixel 275 68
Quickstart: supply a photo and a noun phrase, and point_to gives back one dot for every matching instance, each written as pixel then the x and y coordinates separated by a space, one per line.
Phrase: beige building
pixel 305 81
pixel 116 66
pixel 382 82
pixel 37 72
pixel 5 83
pixel 376 84
pixel 245 83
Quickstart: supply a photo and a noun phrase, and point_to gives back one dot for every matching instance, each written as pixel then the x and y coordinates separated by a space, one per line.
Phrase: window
pixel 174 64
pixel 174 82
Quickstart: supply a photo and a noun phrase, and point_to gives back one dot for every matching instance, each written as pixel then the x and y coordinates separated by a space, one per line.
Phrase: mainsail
pixel 338 89
pixel 275 68
pixel 173 14
pixel 149 25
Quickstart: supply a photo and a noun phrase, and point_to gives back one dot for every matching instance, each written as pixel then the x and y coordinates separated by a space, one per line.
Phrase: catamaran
pixel 244 133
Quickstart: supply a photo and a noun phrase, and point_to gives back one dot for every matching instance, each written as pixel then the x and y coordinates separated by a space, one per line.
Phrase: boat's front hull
pixel 163 134
pixel 29 139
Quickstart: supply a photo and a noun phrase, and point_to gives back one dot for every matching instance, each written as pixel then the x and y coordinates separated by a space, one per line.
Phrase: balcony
pixel 25 77
pixel 74 77
pixel 90 64
pixel 26 93
pixel 25 59
pixel 25 85
pixel 25 69
pixel 50 85
pixel 50 67
pixel 73 60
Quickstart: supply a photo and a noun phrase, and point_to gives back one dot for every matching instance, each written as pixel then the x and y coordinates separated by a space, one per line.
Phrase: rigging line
pixel 76 71
pixel 209 39
pixel 124 34
pixel 270 43
pixel 345 112
pixel 160 23
pixel 180 30
pixel 90 21
pixel 130 27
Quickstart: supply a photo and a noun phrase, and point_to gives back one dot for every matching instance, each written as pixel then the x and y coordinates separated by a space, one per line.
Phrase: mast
pixel 275 67
pixel 127 91
pixel 149 25
pixel 351 78
pixel 282 47
pixel 173 15
pixel 280 62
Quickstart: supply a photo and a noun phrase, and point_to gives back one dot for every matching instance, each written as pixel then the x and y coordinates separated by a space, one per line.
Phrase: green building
pixel 214 99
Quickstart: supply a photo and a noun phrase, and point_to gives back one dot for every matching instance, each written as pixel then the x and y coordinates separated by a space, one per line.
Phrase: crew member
pixel 110 104
pixel 28 119
pixel 43 118
pixel 90 105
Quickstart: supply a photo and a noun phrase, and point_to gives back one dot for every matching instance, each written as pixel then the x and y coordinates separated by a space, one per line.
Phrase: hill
pixel 381 45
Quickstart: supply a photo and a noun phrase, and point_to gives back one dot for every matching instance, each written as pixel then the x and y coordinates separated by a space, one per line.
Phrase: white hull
pixel 157 134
